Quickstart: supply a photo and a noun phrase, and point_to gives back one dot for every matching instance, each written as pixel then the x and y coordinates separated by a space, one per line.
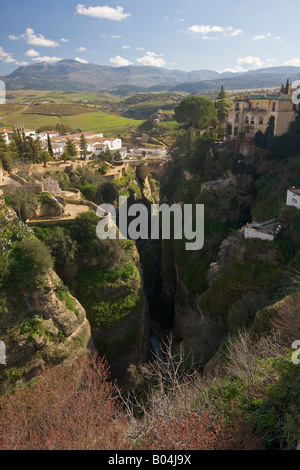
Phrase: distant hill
pixel 244 81
pixel 72 75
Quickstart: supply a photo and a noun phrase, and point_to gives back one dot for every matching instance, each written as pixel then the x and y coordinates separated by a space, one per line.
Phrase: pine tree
pixel 221 105
pixel 50 150
pixel 70 148
pixel 209 164
pixel 287 87
pixel 83 146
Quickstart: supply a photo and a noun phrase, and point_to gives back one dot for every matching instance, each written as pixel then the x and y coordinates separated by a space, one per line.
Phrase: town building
pixel 96 143
pixel 43 136
pixel 293 198
pixel 251 113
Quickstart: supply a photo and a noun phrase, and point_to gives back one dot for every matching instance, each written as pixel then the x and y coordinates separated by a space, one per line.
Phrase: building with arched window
pixel 251 113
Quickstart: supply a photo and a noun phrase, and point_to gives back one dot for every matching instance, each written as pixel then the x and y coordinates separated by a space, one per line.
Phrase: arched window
pixel 247 120
pixel 253 120
pixel 261 120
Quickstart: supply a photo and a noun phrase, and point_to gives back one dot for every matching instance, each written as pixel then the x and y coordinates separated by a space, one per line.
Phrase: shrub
pixel 61 245
pixel 32 258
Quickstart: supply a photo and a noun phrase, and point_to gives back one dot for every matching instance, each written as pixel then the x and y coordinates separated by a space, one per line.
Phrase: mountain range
pixel 72 75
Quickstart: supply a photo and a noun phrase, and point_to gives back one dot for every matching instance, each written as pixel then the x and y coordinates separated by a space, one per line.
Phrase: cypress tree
pixel 50 150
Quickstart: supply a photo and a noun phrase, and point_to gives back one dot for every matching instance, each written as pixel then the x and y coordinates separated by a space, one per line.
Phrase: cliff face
pixel 116 307
pixel 40 327
pixel 126 342
pixel 200 330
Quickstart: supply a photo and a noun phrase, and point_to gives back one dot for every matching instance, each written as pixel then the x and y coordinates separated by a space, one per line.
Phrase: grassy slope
pixel 103 122
pixel 60 96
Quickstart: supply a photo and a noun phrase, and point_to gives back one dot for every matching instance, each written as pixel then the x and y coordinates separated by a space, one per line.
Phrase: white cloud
pixel 47 59
pixel 235 32
pixel 82 61
pixel 119 61
pixel 125 47
pixel 64 40
pixel 259 37
pixel 103 12
pixel 295 62
pixel 140 48
pixel 250 62
pixel 246 63
pixel 112 36
pixel 23 63
pixel 12 37
pixel 32 53
pixel 205 30
pixel 38 39
pixel 7 57
pixel 81 49
pixel 152 59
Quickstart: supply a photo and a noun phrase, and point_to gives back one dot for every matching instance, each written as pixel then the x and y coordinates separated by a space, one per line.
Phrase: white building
pixel 101 145
pixel 7 133
pixel 293 197
pixel 30 133
pixel 44 135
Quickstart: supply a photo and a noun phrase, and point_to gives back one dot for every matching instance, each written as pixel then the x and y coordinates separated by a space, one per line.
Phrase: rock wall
pixel 126 343
pixel 200 331
pixel 38 328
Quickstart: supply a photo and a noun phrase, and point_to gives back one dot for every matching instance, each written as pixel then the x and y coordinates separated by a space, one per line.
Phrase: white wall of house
pixel 293 199
pixel 115 144
pixel 30 133
pixel 97 149
pixel 252 233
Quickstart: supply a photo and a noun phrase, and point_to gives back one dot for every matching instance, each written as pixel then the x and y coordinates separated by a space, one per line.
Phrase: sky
pixel 231 35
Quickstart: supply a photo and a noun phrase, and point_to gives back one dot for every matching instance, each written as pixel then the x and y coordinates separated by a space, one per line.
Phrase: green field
pixel 101 122
pixel 21 96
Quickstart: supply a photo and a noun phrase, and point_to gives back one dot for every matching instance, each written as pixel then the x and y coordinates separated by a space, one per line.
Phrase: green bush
pixel 32 259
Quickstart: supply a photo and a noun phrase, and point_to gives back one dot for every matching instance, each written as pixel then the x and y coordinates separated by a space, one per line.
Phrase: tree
pixel 45 157
pixel 224 163
pixel 106 156
pixel 269 134
pixel 64 156
pixel 196 111
pixel 4 265
pixel 222 106
pixel 209 164
pixel 83 146
pixel 117 156
pixel 67 407
pixel 50 150
pixel 287 87
pixel 70 148
pixel 86 224
pixel 106 193
pixel 32 257
pixel 62 247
